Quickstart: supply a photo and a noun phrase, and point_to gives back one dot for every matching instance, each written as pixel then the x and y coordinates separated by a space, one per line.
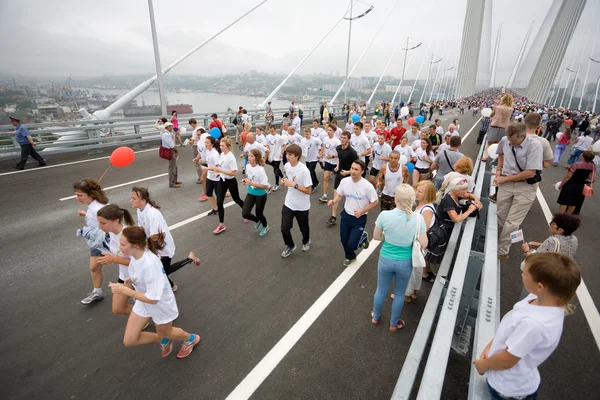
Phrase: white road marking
pixel 122 184
pixel 471 130
pixel 264 368
pixel 68 163
pixel 196 217
pixel 585 300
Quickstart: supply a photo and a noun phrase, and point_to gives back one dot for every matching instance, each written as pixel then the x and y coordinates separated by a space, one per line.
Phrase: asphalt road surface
pixel 242 300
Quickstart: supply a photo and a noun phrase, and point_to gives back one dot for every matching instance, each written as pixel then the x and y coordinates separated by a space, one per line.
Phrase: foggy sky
pixel 57 38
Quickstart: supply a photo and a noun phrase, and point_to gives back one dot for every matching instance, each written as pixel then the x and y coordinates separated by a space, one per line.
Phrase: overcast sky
pixel 90 38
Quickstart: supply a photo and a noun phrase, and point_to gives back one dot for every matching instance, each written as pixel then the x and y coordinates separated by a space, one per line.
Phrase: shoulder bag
pixel 418 260
pixel 165 152
pixel 588 191
pixel 538 174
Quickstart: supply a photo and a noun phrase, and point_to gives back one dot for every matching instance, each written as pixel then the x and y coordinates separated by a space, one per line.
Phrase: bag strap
pixel 418 226
pixel 449 163
pixel 515 155
pixel 556 245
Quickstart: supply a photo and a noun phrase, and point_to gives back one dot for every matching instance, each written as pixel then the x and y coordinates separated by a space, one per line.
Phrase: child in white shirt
pixel 529 333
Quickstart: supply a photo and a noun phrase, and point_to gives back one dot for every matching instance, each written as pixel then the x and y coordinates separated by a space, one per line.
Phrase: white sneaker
pixel 92 297
pixel 306 247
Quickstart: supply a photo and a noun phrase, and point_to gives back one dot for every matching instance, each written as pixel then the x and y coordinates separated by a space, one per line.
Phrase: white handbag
pixel 418 260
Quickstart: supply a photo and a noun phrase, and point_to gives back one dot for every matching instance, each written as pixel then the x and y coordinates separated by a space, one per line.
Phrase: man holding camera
pixel 520 162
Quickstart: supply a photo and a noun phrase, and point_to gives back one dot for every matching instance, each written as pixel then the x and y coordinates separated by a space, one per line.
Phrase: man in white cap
pixel 27 144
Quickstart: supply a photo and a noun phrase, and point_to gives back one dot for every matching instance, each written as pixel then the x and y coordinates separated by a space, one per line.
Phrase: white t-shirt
pixel 338 132
pixel 148 277
pixel 330 149
pixel 154 223
pixel 227 162
pixel 297 124
pixel 91 215
pixel 115 249
pixel 294 199
pixel 380 150
pixel 439 130
pixel 212 160
pixel 416 145
pixel 531 333
pixel 201 144
pixel 420 155
pixel 318 133
pixel 256 145
pixel 455 133
pixel 195 135
pixel 360 144
pixel 407 151
pixel 310 148
pixel 256 174
pixel 371 135
pixel 295 139
pixel 358 194
pixel 583 142
pixel 262 139
pixel 443 146
pixel 275 143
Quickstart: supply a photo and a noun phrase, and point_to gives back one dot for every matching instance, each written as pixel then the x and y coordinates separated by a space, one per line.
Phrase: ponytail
pixel 113 212
pixel 144 194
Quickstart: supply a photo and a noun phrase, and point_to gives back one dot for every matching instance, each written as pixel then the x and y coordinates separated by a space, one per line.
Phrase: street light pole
pixel 348 53
pixel 406 50
pixel 428 75
pixel 159 74
pixel 596 95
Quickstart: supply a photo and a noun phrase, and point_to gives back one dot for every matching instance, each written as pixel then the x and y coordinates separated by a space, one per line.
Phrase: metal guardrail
pixel 97 134
pixel 456 304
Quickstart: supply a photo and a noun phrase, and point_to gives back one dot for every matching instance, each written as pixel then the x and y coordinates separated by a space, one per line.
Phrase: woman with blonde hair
pixel 425 196
pixel 226 170
pixel 398 229
pixel 500 120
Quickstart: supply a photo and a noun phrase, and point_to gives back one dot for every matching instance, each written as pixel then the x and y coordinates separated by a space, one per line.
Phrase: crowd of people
pixel 415 174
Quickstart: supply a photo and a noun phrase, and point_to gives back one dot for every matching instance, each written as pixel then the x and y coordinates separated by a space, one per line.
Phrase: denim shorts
pixel 495 395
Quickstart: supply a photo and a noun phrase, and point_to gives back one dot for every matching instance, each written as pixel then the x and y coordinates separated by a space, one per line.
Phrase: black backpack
pixel 437 234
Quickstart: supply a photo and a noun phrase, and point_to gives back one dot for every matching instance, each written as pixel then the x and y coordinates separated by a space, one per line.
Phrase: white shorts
pixel 163 317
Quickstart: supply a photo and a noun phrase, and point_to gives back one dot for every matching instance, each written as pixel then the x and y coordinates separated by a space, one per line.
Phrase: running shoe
pixel 264 231
pixel 199 181
pixel 246 221
pixel 347 262
pixel 306 247
pixel 275 188
pixel 92 297
pixel 287 251
pixel 220 228
pixel 493 197
pixel 331 221
pixel 192 256
pixel 364 240
pixel 213 212
pixel 256 226
pixel 323 199
pixel 188 346
pixel 166 349
pixel 203 197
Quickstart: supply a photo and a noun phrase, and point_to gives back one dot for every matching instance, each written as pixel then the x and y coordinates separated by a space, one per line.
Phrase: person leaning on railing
pixel 520 161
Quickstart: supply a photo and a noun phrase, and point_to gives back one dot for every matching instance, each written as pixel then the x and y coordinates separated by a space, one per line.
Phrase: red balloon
pixel 411 121
pixel 122 156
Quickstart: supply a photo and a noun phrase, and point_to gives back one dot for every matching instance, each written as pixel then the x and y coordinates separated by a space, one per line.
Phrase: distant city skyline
pixel 114 37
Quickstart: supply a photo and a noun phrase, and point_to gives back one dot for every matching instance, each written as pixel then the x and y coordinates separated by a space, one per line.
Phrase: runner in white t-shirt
pixel 311 147
pixel 194 141
pixel 275 145
pixel 153 297
pixel 359 142
pixel 252 143
pixel 200 158
pixel 260 136
pixel 258 184
pixel 227 169
pixel 317 131
pixel 330 158
pixel 89 192
pixel 405 150
pixel 425 157
pixel 156 228
pixel 381 152
pixel 297 200
pixel 211 158
pixel 361 198
pixel 371 135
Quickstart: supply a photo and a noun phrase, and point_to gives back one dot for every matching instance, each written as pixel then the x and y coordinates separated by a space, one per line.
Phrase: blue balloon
pixel 355 118
pixel 420 119
pixel 215 132
pixel 411 167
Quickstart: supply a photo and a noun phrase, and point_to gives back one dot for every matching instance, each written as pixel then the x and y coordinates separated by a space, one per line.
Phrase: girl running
pixel 90 193
pixel 258 183
pixel 425 158
pixel 156 228
pixel 227 169
pixel 211 157
pixel 110 220
pixel 154 298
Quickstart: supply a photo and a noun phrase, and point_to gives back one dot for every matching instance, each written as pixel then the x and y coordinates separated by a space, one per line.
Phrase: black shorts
pixel 211 187
pixel 337 180
pixel 374 172
pixel 328 167
pixel 422 170
pixel 95 253
pixel 176 129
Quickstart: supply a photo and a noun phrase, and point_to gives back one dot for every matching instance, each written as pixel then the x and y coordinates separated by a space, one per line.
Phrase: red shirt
pixel 396 134
pixel 568 122
pixel 387 134
pixel 213 124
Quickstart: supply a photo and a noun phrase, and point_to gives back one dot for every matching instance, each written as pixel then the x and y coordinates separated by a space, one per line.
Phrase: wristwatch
pixel 296 186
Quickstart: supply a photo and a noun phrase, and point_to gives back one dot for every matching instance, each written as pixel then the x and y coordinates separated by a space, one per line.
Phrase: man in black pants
pixel 297 200
pixel 27 144
pixel 346 155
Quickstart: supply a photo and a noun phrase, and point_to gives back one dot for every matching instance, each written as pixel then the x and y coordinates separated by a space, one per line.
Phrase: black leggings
pixel 276 171
pixel 312 165
pixel 260 202
pixel 170 268
pixel 232 186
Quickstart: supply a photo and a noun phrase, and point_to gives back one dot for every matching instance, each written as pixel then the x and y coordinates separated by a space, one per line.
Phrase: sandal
pixel 399 326
pixel 429 278
pixel 484 159
pixel 373 320
pixel 407 299
pixel 192 256
pixel 413 296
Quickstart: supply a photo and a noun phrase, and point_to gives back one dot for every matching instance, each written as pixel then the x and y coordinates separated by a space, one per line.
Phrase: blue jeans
pixel 495 395
pixel 351 229
pixel 575 157
pixel 386 270
pixel 558 152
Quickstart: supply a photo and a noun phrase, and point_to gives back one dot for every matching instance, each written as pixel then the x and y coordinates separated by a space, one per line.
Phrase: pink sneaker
pixel 187 347
pixel 246 221
pixel 203 197
pixel 165 349
pixel 220 228
pixel 192 256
